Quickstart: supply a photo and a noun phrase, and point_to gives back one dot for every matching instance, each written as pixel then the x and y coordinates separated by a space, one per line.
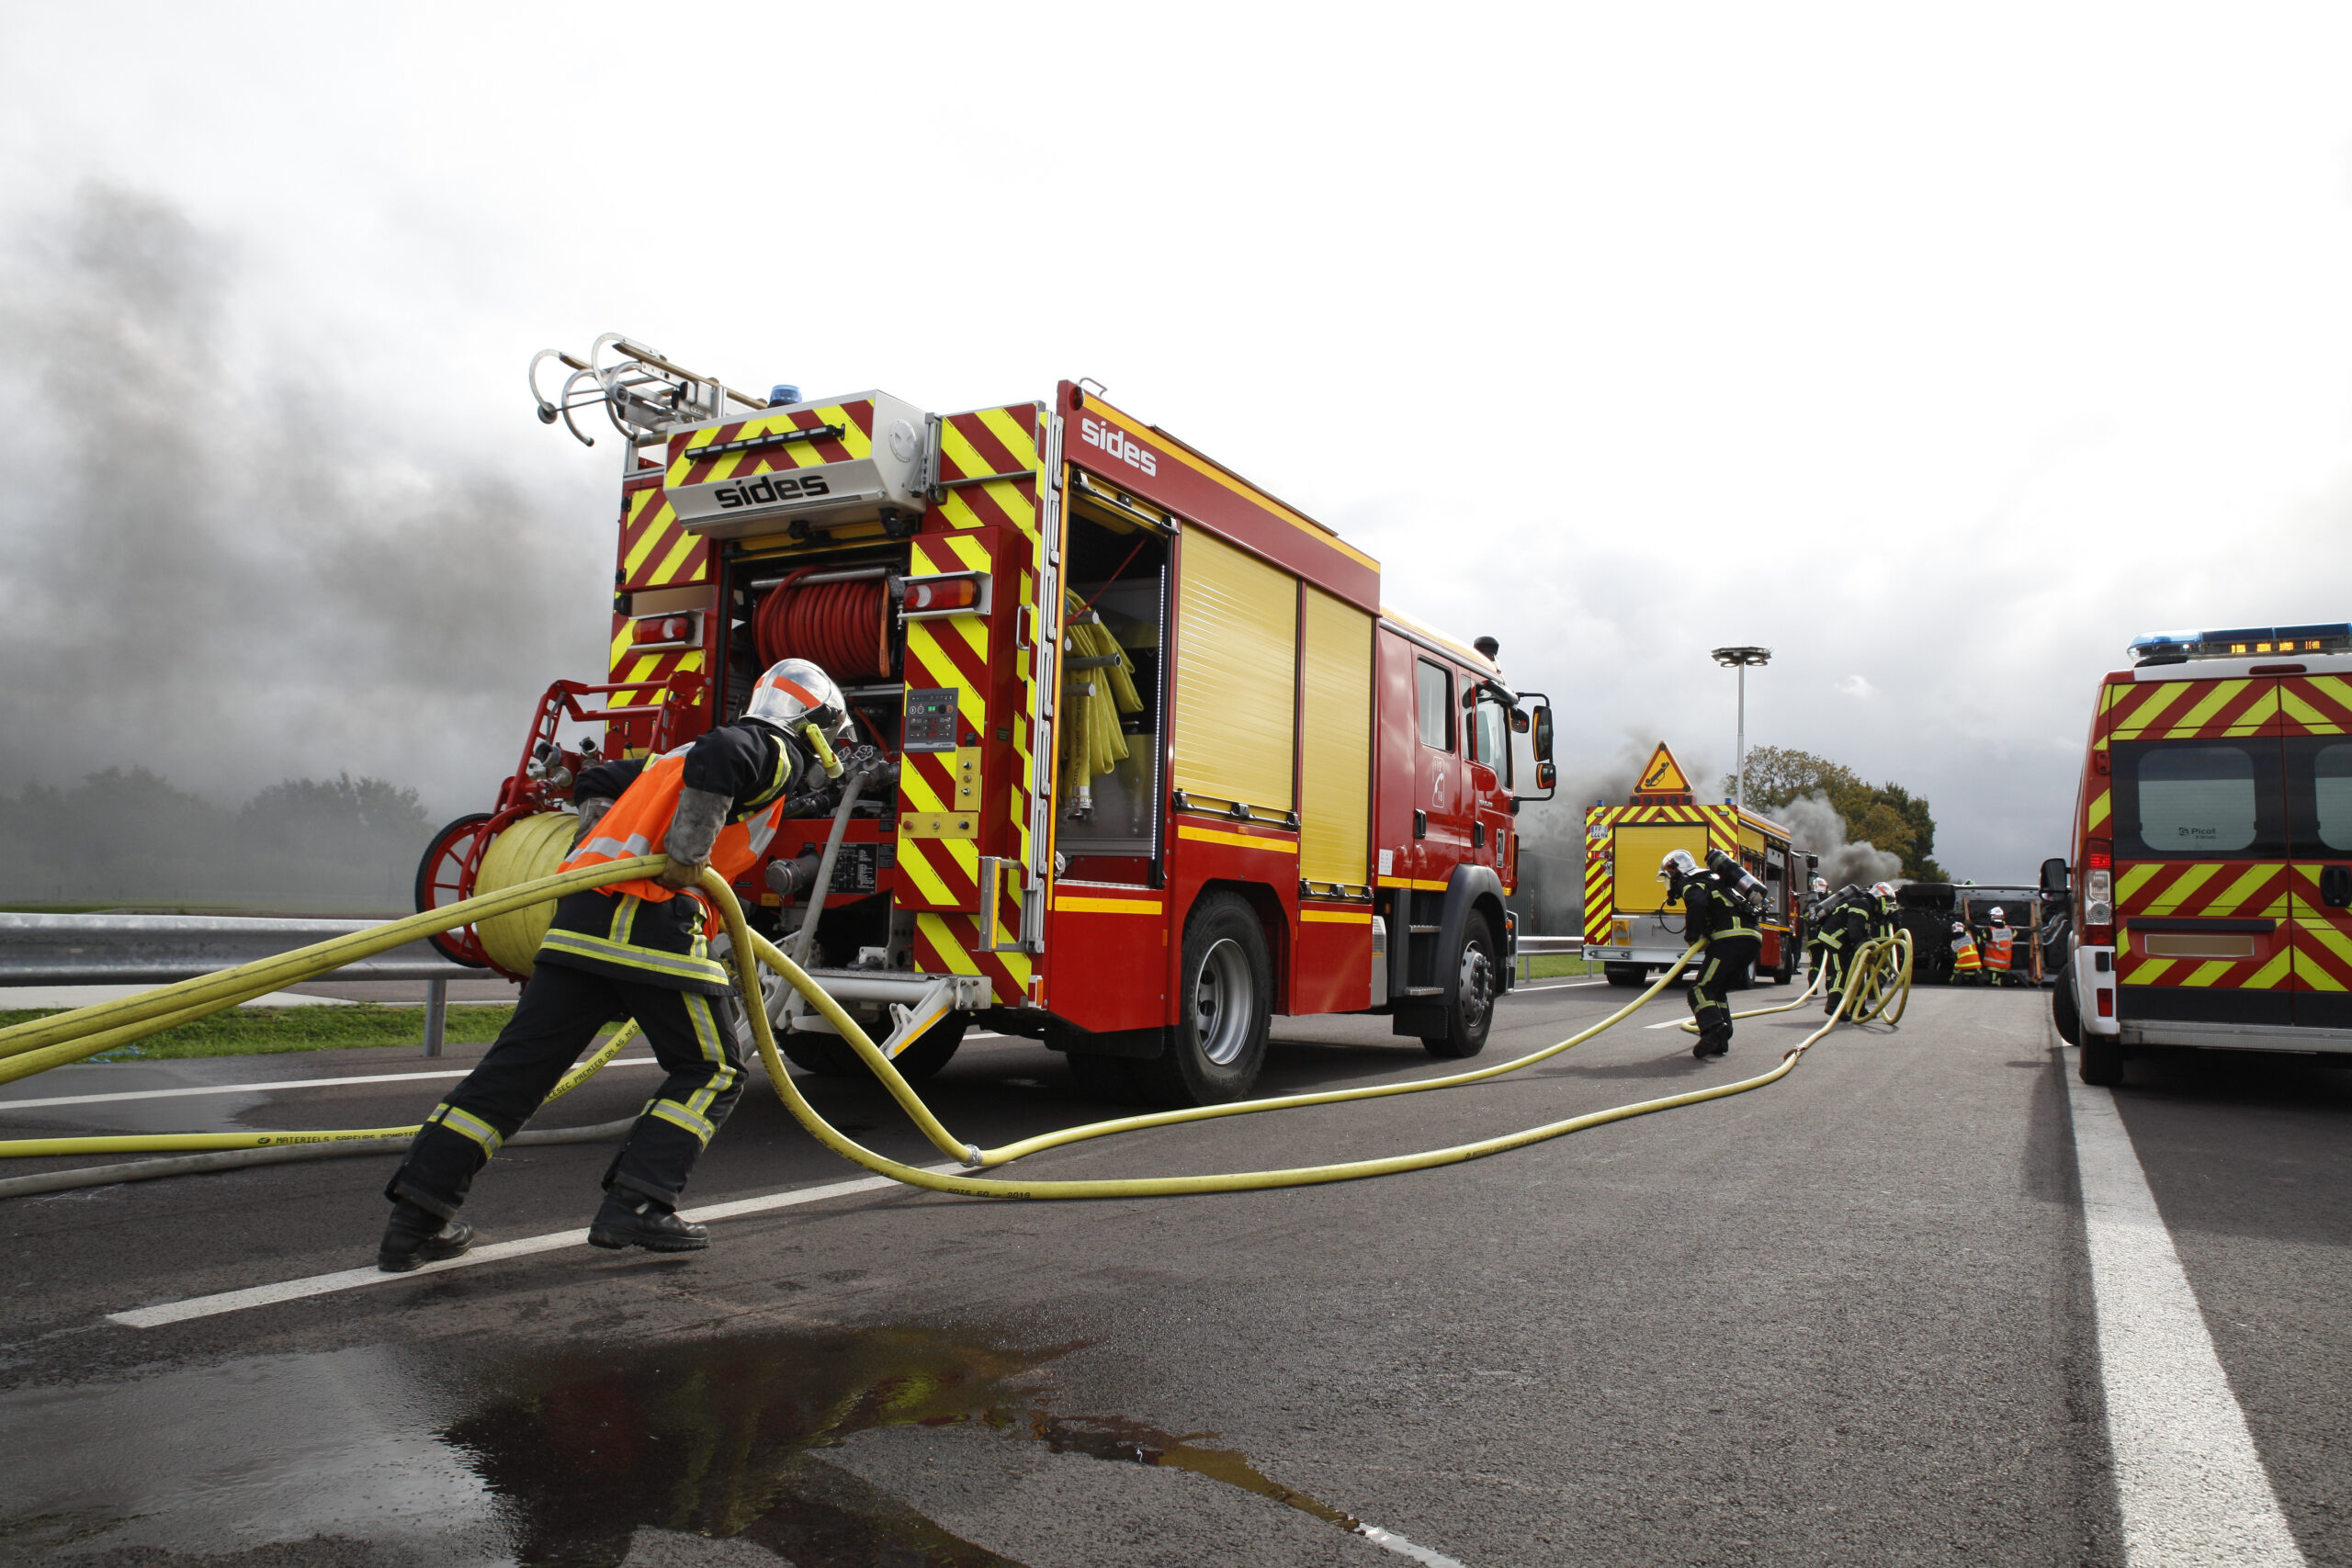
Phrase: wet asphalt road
pixel 1845 1318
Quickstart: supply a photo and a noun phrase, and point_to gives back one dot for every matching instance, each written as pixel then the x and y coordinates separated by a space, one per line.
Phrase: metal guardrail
pixel 156 949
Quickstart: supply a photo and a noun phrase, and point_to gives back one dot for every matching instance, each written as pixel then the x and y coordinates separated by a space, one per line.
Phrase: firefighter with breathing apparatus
pixel 1965 963
pixel 1845 923
pixel 1719 904
pixel 639 950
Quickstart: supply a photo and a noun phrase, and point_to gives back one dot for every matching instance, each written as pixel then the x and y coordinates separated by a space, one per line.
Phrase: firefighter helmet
pixel 1676 863
pixel 1882 890
pixel 1996 912
pixel 794 692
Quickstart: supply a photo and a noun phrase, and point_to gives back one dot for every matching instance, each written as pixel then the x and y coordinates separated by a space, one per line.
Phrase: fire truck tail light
pixel 2098 854
pixel 956 594
pixel 662 629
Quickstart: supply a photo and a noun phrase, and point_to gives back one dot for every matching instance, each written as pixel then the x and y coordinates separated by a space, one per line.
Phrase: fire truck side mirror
pixel 1546 776
pixel 1543 739
pixel 2054 877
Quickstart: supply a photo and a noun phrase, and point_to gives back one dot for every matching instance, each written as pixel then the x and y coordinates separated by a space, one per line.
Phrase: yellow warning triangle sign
pixel 1664 774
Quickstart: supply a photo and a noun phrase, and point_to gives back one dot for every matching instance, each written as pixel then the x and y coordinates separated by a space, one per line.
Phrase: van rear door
pixel 2205 928
pixel 2317 710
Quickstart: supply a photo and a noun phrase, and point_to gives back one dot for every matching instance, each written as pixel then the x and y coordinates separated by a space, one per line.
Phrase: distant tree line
pixel 135 837
pixel 1887 815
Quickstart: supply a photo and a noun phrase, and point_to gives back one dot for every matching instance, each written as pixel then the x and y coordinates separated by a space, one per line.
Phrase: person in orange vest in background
pixel 634 949
pixel 1965 963
pixel 2000 949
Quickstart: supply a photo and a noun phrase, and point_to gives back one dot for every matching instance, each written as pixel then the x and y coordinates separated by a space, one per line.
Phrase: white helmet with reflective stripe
pixel 1996 911
pixel 1678 862
pixel 1882 890
pixel 795 692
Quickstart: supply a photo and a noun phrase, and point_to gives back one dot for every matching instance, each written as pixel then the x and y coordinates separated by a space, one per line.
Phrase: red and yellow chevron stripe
pixel 655 551
pixel 2316 704
pixel 987 468
pixel 2323 960
pixel 2211 890
pixel 855 418
pixel 950 943
pixel 2190 710
pixel 1598 884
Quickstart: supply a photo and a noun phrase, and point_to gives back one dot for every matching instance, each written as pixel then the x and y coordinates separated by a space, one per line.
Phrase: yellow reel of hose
pixel 528 849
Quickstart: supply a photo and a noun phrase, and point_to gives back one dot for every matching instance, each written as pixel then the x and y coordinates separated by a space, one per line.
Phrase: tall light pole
pixel 1740 658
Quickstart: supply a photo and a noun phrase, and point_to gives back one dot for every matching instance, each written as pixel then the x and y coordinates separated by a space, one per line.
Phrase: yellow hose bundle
pixel 1093 742
pixel 526 850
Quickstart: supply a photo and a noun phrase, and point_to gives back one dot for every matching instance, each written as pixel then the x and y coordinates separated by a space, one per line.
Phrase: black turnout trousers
pixel 1727 956
pixel 560 1013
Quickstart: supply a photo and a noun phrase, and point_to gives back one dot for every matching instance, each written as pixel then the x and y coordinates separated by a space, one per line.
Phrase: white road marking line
pixel 2193 1491
pixel 6 1105
pixel 1403 1548
pixel 353 1279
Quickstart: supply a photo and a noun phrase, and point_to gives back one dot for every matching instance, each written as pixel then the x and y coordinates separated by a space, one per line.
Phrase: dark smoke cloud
pixel 1816 828
pixel 227 565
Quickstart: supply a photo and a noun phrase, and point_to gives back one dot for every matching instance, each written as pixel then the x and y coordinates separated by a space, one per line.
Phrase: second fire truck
pixel 1165 763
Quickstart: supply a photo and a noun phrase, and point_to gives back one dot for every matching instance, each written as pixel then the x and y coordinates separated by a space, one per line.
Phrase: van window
pixel 2188 799
pixel 1435 697
pixel 2332 794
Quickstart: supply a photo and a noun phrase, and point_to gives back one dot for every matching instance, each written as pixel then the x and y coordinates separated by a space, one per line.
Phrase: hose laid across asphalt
pixel 85 1031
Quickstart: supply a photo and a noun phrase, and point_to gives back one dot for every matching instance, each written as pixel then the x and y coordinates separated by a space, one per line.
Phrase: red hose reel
pixel 842 628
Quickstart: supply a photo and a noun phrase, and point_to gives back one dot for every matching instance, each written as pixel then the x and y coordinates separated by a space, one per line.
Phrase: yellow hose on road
pixel 132 1016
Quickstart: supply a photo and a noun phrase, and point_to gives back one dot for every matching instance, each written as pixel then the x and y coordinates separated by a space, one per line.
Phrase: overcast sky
pixel 1941 353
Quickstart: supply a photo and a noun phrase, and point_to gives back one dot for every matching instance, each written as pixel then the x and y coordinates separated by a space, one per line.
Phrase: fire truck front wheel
pixel 1471 1011
pixel 1219 1039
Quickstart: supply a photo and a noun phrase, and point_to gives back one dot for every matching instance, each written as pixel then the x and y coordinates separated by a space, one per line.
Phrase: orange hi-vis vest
pixel 638 824
pixel 1997 947
pixel 1963 954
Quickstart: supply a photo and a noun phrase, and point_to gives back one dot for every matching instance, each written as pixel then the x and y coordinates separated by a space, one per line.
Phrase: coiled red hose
pixel 842 628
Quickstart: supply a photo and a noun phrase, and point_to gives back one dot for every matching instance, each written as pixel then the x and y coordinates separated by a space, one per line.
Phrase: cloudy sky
pixel 1941 353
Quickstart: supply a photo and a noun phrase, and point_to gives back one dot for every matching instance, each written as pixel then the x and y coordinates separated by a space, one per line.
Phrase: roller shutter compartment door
pixel 1237 675
pixel 1335 782
pixel 1639 851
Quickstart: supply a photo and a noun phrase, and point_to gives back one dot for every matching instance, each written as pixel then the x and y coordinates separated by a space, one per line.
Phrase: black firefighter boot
pixel 417 1235
pixel 631 1219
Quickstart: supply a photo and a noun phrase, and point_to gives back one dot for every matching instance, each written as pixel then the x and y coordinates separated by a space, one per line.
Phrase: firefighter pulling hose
pixel 1720 905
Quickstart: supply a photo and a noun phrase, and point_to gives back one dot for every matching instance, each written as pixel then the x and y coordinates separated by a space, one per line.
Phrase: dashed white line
pixel 6 1105
pixel 2193 1491
pixel 165 1312
pixel 1403 1548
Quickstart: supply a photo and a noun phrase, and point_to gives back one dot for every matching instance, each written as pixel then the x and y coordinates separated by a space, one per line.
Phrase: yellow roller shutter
pixel 1639 851
pixel 1335 782
pixel 1237 674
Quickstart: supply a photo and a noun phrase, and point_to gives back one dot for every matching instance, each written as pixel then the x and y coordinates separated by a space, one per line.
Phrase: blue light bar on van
pixel 2333 637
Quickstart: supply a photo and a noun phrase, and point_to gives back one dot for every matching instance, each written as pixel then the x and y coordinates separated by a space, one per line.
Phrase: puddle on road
pixel 545 1458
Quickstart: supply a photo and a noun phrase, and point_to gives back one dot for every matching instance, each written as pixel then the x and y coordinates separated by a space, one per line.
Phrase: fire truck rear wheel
pixel 1626 975
pixel 1219 1039
pixel 1472 1012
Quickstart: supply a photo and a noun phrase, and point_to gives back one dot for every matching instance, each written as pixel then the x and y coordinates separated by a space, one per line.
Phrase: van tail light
pixel 2098 893
pixel 2106 1002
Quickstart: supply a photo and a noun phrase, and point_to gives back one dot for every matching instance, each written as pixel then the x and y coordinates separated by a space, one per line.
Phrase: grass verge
pixel 1556 966
pixel 248 1031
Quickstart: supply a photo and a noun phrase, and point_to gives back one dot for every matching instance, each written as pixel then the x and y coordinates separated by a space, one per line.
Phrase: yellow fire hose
pixel 1886 983
pixel 30 1047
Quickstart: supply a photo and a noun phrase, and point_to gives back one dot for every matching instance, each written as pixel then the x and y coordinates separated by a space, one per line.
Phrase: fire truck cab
pixel 2212 872
pixel 1165 765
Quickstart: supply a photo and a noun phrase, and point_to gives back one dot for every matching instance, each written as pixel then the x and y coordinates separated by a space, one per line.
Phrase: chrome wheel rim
pixel 1224 1003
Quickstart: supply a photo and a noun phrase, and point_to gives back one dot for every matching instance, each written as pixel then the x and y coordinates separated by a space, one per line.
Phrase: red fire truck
pixel 1166 765
pixel 2211 891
